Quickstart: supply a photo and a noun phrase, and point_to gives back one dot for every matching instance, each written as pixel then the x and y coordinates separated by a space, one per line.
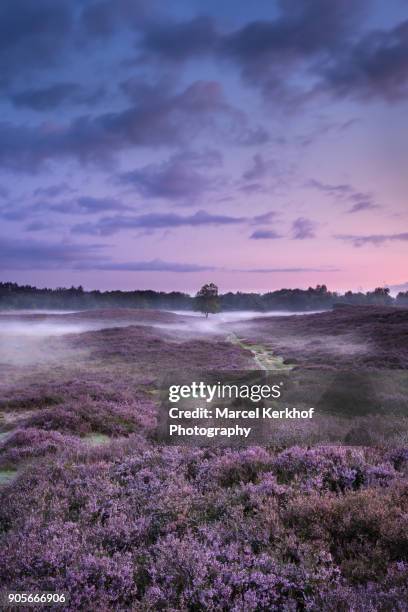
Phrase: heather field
pixel 92 504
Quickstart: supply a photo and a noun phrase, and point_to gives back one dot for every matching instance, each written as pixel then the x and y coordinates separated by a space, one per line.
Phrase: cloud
pixel 302 29
pixel 264 218
pixel 258 170
pixel 34 255
pixel 310 47
pixel 375 66
pixel 155 265
pixel 303 229
pixel 39 226
pixel 265 235
pixel 157 118
pixel 363 205
pixel 320 41
pixel 33 35
pixel 53 191
pixel 180 41
pixel 85 205
pixel 375 239
pixel 102 19
pixel 178 178
pixel 17 254
pixel 304 34
pixel 341 190
pixel 54 96
pixel 287 270
pixel 154 221
pixel 344 192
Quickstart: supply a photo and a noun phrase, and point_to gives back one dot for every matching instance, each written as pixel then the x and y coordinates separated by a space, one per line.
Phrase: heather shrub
pixel 133 525
pixel 30 443
pixel 230 468
pixel 182 528
pixel 52 557
pixel 399 458
pixel 364 530
pixel 332 468
pixel 84 416
pixel 201 571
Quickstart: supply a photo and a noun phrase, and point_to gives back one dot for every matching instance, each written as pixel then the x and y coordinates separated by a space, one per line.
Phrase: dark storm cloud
pixel 374 239
pixel 180 41
pixel 377 65
pixel 157 118
pixel 39 34
pixel 178 178
pixel 304 30
pixel 53 96
pixel 32 34
pixel 317 38
pixel 303 229
pixel 105 18
pixel 32 255
pixel 154 221
pixel 265 235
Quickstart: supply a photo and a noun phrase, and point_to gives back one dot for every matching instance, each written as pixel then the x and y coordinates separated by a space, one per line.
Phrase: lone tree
pixel 206 300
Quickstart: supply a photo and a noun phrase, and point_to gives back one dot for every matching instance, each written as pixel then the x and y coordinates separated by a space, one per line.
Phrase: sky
pixel 162 145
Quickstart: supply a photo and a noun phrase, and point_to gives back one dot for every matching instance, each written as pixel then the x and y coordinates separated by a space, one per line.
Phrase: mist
pixel 28 337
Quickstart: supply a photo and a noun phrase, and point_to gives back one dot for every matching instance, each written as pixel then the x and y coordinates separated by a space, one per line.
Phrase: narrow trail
pixel 264 359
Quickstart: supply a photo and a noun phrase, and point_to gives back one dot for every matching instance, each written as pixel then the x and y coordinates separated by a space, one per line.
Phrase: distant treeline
pixel 75 298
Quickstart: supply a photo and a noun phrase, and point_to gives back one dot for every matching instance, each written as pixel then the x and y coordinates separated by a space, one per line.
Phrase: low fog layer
pixel 24 334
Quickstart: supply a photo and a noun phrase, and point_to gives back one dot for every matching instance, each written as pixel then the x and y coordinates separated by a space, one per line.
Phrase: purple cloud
pixel 375 66
pixel 86 205
pixel 258 169
pixel 341 190
pixel 16 254
pixel 265 235
pixel 155 265
pixel 53 191
pixel 53 96
pixel 177 178
pixel 303 229
pixel 346 193
pixel 375 239
pixel 158 118
pixel 363 205
pixel 154 221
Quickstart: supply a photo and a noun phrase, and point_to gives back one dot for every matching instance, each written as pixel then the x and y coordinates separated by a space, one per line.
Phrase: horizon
pixel 222 291
pixel 154 146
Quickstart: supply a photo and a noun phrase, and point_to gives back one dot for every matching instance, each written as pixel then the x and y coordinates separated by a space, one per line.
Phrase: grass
pixel 95 439
pixel 7 476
